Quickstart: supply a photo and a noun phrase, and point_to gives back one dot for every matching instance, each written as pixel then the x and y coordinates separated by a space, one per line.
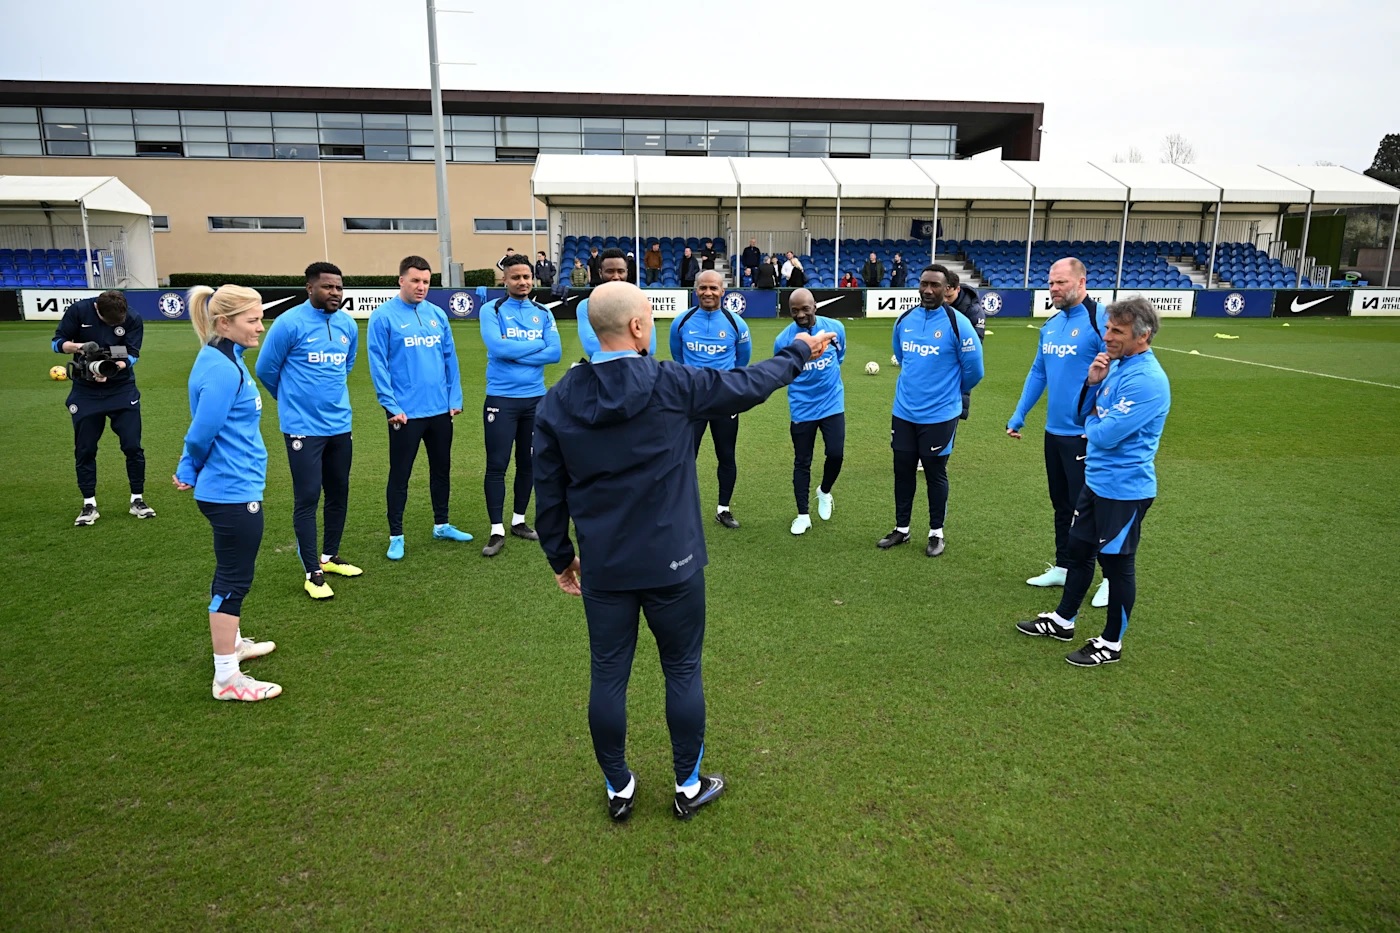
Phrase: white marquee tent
pixel 61 205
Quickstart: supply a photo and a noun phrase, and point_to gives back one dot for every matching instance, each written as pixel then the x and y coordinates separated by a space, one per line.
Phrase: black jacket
pixel 545 272
pixel 798 278
pixel 898 273
pixel 595 270
pixel 765 275
pixel 615 452
pixel 971 307
pixel 873 273
pixel 751 257
pixel 689 269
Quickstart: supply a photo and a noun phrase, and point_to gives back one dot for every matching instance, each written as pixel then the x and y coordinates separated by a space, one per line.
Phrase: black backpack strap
pixel 953 319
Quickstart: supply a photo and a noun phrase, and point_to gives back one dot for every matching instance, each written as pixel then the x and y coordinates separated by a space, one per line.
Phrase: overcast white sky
pixel 1284 82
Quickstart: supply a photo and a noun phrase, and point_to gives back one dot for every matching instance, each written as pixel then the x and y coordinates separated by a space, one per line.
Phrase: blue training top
pixel 589 338
pixel 817 393
pixel 1123 421
pixel 710 339
pixel 304 364
pixel 224 458
pixel 1069 341
pixel 940 359
pixel 412 360
pixel 521 339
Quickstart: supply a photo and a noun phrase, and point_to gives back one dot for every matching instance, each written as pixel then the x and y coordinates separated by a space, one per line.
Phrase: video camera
pixel 94 361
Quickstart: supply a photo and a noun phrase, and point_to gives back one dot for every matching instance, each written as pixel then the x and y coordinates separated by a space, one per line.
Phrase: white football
pixel 894 359
pixel 872 368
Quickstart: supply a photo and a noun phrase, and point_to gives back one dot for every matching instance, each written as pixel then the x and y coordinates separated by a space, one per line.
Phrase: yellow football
pixel 58 373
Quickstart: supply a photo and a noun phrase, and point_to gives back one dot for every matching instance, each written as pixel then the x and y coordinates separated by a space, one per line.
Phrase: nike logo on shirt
pixel 402 326
pixel 1079 458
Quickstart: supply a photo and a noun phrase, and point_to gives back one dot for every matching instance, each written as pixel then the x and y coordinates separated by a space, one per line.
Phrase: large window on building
pixel 509 225
pixel 245 224
pixel 390 224
pixel 397 137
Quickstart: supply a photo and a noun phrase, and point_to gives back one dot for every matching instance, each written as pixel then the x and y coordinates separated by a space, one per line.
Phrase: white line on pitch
pixel 1287 369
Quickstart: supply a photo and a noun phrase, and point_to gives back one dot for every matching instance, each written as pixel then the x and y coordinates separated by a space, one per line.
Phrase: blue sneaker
pixel 395 547
pixel 447 533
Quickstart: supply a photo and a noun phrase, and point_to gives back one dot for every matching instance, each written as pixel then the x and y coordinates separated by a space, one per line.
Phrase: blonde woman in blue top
pixel 225 463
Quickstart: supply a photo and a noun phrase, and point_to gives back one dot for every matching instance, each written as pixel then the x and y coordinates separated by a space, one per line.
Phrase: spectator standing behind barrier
pixel 765 274
pixel 652 261
pixel 305 365
pixel 898 271
pixel 1069 341
pixel 848 281
pixel 939 357
pixel 545 270
pixel 413 365
pixel 103 333
pixel 786 268
pixel 708 255
pixel 225 462
pixel 613 443
pixel 614 268
pixel 521 339
pixel 631 268
pixel 690 268
pixel 816 402
pixel 594 267
pixel 750 258
pixel 501 263
pixel 873 272
pixel 578 276
pixel 1123 407
pixel 797 276
pixel 709 337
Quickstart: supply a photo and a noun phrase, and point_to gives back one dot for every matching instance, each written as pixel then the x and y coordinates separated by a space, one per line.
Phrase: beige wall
pixel 189 191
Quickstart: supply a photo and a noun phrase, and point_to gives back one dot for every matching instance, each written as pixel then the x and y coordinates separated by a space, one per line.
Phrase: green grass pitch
pixel 899 757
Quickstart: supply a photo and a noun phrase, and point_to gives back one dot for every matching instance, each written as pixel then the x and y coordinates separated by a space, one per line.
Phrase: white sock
pixel 90 500
pixel 326 558
pixel 903 531
pixel 1113 645
pixel 1063 623
pixel 498 529
pixel 516 518
pixel 225 667
pixel 627 791
pixel 308 575
pixel 238 637
pixel 690 790
pixel 935 532
pixel 135 496
pixel 720 510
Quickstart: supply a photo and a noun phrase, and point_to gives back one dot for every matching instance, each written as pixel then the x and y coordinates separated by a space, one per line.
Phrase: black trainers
pixel 891 539
pixel 493 545
pixel 88 515
pixel 727 519
pixel 1093 654
pixel 140 509
pixel 1044 625
pixel 935 546
pixel 620 808
pixel 711 786
pixel 523 530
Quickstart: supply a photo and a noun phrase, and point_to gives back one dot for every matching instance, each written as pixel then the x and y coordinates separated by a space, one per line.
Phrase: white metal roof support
pixel 1030 235
pixel 87 244
pixel 1390 253
pixel 1303 247
pixel 1122 244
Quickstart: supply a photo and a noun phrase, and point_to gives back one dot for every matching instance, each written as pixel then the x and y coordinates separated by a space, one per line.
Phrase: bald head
pixel 803 307
pixel 621 316
pixel 710 275
pixel 1067 283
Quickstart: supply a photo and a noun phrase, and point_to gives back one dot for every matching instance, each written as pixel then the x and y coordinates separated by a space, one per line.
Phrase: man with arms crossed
pixel 1123 408
pixel 613 267
pixel 614 453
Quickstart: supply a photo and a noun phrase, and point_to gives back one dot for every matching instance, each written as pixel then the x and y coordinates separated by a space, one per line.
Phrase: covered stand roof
pixel 580 177
pixel 96 192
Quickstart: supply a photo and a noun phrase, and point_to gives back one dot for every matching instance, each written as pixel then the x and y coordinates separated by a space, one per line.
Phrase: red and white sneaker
pixel 244 688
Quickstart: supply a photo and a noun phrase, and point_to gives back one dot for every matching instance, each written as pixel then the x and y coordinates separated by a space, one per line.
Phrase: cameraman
pixel 105 341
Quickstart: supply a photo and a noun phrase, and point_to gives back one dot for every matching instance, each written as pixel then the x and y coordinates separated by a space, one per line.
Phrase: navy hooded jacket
pixel 615 452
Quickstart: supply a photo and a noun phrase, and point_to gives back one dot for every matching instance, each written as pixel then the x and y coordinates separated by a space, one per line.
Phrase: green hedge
pixel 471 278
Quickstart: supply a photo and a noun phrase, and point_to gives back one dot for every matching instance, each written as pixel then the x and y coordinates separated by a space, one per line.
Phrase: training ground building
pixel 262 180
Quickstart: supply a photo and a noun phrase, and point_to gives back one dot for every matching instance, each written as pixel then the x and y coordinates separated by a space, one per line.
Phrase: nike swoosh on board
pixel 823 304
pixel 1295 307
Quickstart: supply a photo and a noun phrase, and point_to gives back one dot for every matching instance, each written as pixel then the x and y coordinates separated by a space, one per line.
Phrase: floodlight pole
pixel 444 211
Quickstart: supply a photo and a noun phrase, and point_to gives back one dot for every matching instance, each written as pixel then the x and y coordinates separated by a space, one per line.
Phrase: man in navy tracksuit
pixel 1068 343
pixel 940 360
pixel 614 452
pixel 1123 408
pixel 89 326
pixel 521 339
pixel 304 364
pixel 710 337
pixel 413 364
pixel 816 402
